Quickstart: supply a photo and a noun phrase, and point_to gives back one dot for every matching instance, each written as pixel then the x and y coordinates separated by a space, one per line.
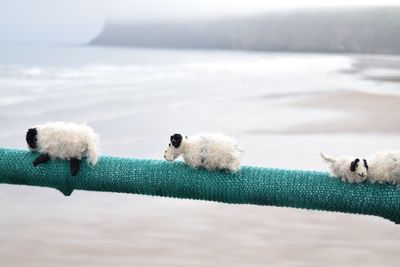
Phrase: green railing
pixel 250 185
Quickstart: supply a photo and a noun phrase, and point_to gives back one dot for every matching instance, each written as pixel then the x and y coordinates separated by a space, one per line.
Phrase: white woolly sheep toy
pixel 348 169
pixel 66 141
pixel 381 167
pixel 385 167
pixel 210 151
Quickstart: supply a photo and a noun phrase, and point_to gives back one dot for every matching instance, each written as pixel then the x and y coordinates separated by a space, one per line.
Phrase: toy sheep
pixel 353 171
pixel 384 167
pixel 210 151
pixel 67 141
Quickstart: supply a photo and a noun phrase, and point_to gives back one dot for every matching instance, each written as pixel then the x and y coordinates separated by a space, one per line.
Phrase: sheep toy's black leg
pixel 41 159
pixel 74 164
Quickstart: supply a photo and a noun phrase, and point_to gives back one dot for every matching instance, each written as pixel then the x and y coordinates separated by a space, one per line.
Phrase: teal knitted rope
pixel 250 185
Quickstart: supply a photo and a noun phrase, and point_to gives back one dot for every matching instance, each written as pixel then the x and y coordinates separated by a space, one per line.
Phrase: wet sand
pixel 355 113
pixel 196 233
pixel 358 112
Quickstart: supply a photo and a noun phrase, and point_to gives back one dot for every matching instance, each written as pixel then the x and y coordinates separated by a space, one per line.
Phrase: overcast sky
pixel 78 21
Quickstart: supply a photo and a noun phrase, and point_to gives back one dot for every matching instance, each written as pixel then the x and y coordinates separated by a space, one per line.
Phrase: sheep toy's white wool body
pixel 68 140
pixel 347 169
pixel 212 151
pixel 385 167
pixel 380 167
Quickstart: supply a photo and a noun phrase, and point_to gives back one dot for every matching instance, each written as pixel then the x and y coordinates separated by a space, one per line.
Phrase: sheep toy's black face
pixel 31 138
pixel 360 168
pixel 174 148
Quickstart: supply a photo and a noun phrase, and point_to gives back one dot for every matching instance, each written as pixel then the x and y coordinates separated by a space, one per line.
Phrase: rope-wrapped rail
pixel 250 185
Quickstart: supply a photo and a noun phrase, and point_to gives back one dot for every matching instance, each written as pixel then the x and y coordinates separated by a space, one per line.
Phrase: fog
pixel 78 21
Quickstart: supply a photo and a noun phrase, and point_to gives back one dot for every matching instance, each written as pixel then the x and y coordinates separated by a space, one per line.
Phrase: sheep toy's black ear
pixel 176 140
pixel 365 164
pixel 31 137
pixel 353 165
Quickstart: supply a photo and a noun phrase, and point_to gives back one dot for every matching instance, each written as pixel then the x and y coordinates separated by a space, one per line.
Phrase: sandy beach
pixel 168 232
pixel 287 129
pixel 356 112
pixel 359 113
